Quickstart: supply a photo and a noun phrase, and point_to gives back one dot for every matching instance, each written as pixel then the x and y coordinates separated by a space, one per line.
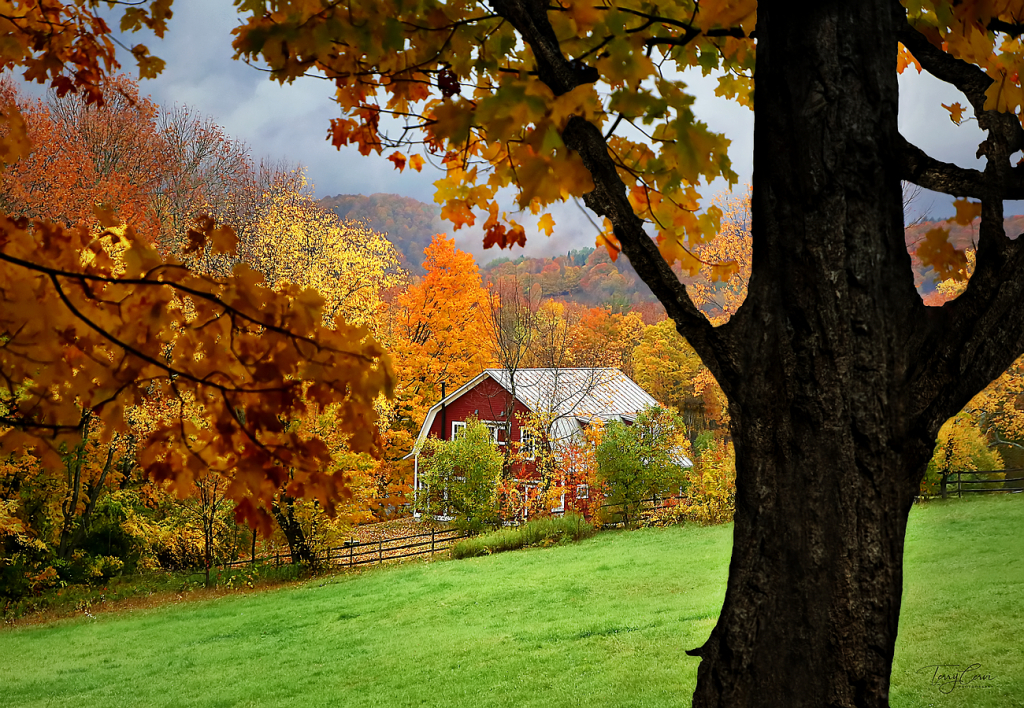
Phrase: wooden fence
pixel 646 505
pixel 352 553
pixel 954 482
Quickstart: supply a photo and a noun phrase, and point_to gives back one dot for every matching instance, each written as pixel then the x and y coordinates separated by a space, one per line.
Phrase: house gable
pixel 486 401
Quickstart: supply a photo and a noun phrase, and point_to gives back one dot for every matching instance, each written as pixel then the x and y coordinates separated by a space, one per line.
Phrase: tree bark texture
pixel 828 459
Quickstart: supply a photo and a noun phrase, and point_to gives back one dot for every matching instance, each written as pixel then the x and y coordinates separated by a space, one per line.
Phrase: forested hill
pixel 585 276
pixel 408 223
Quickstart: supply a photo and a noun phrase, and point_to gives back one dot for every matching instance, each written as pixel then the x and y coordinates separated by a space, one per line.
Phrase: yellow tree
pixel 551 342
pixel 999 408
pixel 297 241
pixel 602 338
pixel 666 366
pixel 960 447
pixel 720 290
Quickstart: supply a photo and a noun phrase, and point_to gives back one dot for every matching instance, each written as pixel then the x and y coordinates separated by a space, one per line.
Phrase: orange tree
pixel 436 332
pixel 838 377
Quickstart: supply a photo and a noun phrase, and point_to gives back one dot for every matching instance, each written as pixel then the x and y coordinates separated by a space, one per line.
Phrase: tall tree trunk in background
pixel 298 544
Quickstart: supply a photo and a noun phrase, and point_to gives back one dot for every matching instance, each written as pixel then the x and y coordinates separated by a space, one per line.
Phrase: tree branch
pixel 973 339
pixel 529 17
pixel 1005 132
pixel 922 169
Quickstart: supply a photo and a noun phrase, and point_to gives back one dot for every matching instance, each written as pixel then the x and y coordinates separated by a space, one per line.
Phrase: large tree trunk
pixel 827 462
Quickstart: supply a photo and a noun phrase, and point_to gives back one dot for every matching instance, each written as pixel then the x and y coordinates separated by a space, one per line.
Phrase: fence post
pixel 431 543
pixel 380 552
pixel 942 484
pixel 351 553
pixel 277 558
pixel 959 490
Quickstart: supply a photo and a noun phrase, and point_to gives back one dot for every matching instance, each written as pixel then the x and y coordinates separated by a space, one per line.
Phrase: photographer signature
pixel 949 677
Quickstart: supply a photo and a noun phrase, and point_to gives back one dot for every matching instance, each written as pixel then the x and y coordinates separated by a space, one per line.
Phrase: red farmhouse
pixel 571 397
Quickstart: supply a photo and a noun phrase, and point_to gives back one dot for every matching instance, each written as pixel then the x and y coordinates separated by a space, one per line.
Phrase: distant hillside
pixel 962 237
pixel 409 224
pixel 585 276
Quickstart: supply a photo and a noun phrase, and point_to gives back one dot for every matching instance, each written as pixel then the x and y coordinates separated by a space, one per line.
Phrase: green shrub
pixel 460 478
pixel 539 532
pixel 639 461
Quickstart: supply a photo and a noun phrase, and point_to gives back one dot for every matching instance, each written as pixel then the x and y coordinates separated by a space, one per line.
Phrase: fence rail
pixel 655 503
pixel 353 552
pixel 954 482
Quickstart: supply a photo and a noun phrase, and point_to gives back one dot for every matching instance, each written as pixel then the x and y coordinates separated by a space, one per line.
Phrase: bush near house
pixel 636 462
pixel 710 496
pixel 460 478
pixel 547 531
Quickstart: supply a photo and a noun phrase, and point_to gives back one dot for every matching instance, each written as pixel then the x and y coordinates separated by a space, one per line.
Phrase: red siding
pixel 487 401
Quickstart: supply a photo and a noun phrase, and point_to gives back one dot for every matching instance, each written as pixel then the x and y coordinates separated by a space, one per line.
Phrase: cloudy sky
pixel 290 122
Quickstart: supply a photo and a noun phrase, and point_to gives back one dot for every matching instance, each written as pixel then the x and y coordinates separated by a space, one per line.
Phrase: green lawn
pixel 602 623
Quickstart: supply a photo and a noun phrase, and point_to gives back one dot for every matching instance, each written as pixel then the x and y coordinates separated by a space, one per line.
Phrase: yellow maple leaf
pixel 546 224
pixel 966 212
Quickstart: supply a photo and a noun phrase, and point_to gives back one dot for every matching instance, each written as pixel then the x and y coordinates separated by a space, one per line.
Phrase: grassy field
pixel 602 623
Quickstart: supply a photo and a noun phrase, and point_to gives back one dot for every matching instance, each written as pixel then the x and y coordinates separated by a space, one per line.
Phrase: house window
pixel 529 444
pixel 582 491
pixel 497 431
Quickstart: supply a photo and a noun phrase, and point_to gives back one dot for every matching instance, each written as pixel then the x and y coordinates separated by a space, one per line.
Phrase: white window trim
pixel 494 426
pixel 585 488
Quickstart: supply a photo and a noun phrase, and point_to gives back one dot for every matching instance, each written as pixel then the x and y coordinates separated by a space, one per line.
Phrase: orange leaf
pixel 936 251
pixel 905 59
pixel 611 243
pixel 399 160
pixel 416 162
pixel 956 112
